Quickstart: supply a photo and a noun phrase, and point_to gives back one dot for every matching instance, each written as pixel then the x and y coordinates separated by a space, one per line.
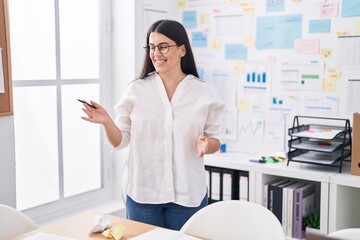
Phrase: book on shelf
pixel 288 204
pixel 304 204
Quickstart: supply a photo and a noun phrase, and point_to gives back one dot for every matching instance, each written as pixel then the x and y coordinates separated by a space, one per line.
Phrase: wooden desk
pixel 79 226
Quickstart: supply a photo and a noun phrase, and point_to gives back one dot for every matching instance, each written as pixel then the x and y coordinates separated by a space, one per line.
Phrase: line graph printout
pixel 250 128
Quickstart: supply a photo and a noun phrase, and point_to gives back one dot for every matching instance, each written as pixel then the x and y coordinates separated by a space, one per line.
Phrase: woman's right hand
pixel 96 115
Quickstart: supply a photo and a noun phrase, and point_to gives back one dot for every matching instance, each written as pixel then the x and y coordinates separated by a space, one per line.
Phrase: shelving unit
pixel 336 194
pixel 327 145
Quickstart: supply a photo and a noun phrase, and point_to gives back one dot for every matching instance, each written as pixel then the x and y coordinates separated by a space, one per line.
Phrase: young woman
pixel 170 118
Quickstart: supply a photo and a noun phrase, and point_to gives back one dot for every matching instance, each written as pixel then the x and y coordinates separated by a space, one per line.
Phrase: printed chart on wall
pixel 279 117
pixel 151 14
pixel 306 76
pixel 352 78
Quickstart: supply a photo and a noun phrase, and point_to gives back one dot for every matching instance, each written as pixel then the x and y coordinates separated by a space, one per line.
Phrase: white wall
pixel 7 161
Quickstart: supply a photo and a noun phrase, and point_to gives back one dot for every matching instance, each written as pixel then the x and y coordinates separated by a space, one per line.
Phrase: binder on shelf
pixel 271 188
pixel 304 204
pixel 215 186
pixel 208 183
pixel 278 199
pixel 223 183
pixel 244 188
pixel 266 192
pixel 227 186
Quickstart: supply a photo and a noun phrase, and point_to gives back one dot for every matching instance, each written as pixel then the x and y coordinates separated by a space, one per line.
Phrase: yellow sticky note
pixel 326 53
pixel 215 44
pixel 231 2
pixel 248 8
pixel 243 106
pixel 334 73
pixel 357 27
pixel 249 41
pixel 329 85
pixel 239 67
pixel 204 18
pixel 181 3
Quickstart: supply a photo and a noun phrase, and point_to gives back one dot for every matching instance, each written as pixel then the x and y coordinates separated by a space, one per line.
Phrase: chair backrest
pixel 234 220
pixel 14 222
pixel 345 234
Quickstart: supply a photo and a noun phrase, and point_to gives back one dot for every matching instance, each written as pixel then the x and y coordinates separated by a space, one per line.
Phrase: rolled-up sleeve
pixel 213 123
pixel 123 121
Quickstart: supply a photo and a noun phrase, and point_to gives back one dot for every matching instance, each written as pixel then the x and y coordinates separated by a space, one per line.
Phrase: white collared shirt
pixel 163 135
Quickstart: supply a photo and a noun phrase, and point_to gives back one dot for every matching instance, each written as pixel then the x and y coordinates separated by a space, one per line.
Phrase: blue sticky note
pixel 235 52
pixel 350 8
pixel 201 72
pixel 198 39
pixel 278 32
pixel 189 19
pixel 319 26
pixel 275 5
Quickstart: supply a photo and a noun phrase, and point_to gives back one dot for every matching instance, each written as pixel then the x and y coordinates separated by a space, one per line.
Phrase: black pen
pixel 257 160
pixel 86 103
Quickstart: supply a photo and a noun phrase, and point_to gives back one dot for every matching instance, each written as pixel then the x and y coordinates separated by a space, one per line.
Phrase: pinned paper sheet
pixel 2 82
pixel 307 46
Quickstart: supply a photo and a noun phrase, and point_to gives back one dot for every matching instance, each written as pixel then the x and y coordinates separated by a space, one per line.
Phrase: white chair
pixel 345 234
pixel 14 222
pixel 234 220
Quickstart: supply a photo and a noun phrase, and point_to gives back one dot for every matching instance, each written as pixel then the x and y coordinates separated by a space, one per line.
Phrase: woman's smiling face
pixel 170 59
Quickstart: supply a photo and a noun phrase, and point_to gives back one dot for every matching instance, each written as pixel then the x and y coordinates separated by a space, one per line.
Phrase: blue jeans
pixel 167 215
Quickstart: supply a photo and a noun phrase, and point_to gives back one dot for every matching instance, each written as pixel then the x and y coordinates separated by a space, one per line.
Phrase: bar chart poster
pixel 256 78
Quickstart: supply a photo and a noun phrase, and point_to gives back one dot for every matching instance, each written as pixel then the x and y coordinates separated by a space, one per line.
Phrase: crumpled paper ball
pixel 101 222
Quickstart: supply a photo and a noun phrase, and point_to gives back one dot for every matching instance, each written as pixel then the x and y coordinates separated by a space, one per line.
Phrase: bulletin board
pixel 272 60
pixel 6 102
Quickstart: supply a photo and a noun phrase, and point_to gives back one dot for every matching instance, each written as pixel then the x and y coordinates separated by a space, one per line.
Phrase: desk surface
pixel 79 226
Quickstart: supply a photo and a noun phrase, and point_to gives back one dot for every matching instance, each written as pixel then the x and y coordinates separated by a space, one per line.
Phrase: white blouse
pixel 163 135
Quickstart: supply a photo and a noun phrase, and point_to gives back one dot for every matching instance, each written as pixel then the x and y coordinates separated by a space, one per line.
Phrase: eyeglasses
pixel 162 47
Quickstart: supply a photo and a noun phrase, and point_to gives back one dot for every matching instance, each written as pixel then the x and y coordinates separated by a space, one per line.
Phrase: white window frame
pixel 65 206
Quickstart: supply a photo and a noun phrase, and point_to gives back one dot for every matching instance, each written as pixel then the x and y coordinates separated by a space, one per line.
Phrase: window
pixel 56 51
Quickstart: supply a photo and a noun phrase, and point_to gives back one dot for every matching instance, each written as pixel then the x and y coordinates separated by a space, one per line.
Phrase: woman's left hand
pixel 202 146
